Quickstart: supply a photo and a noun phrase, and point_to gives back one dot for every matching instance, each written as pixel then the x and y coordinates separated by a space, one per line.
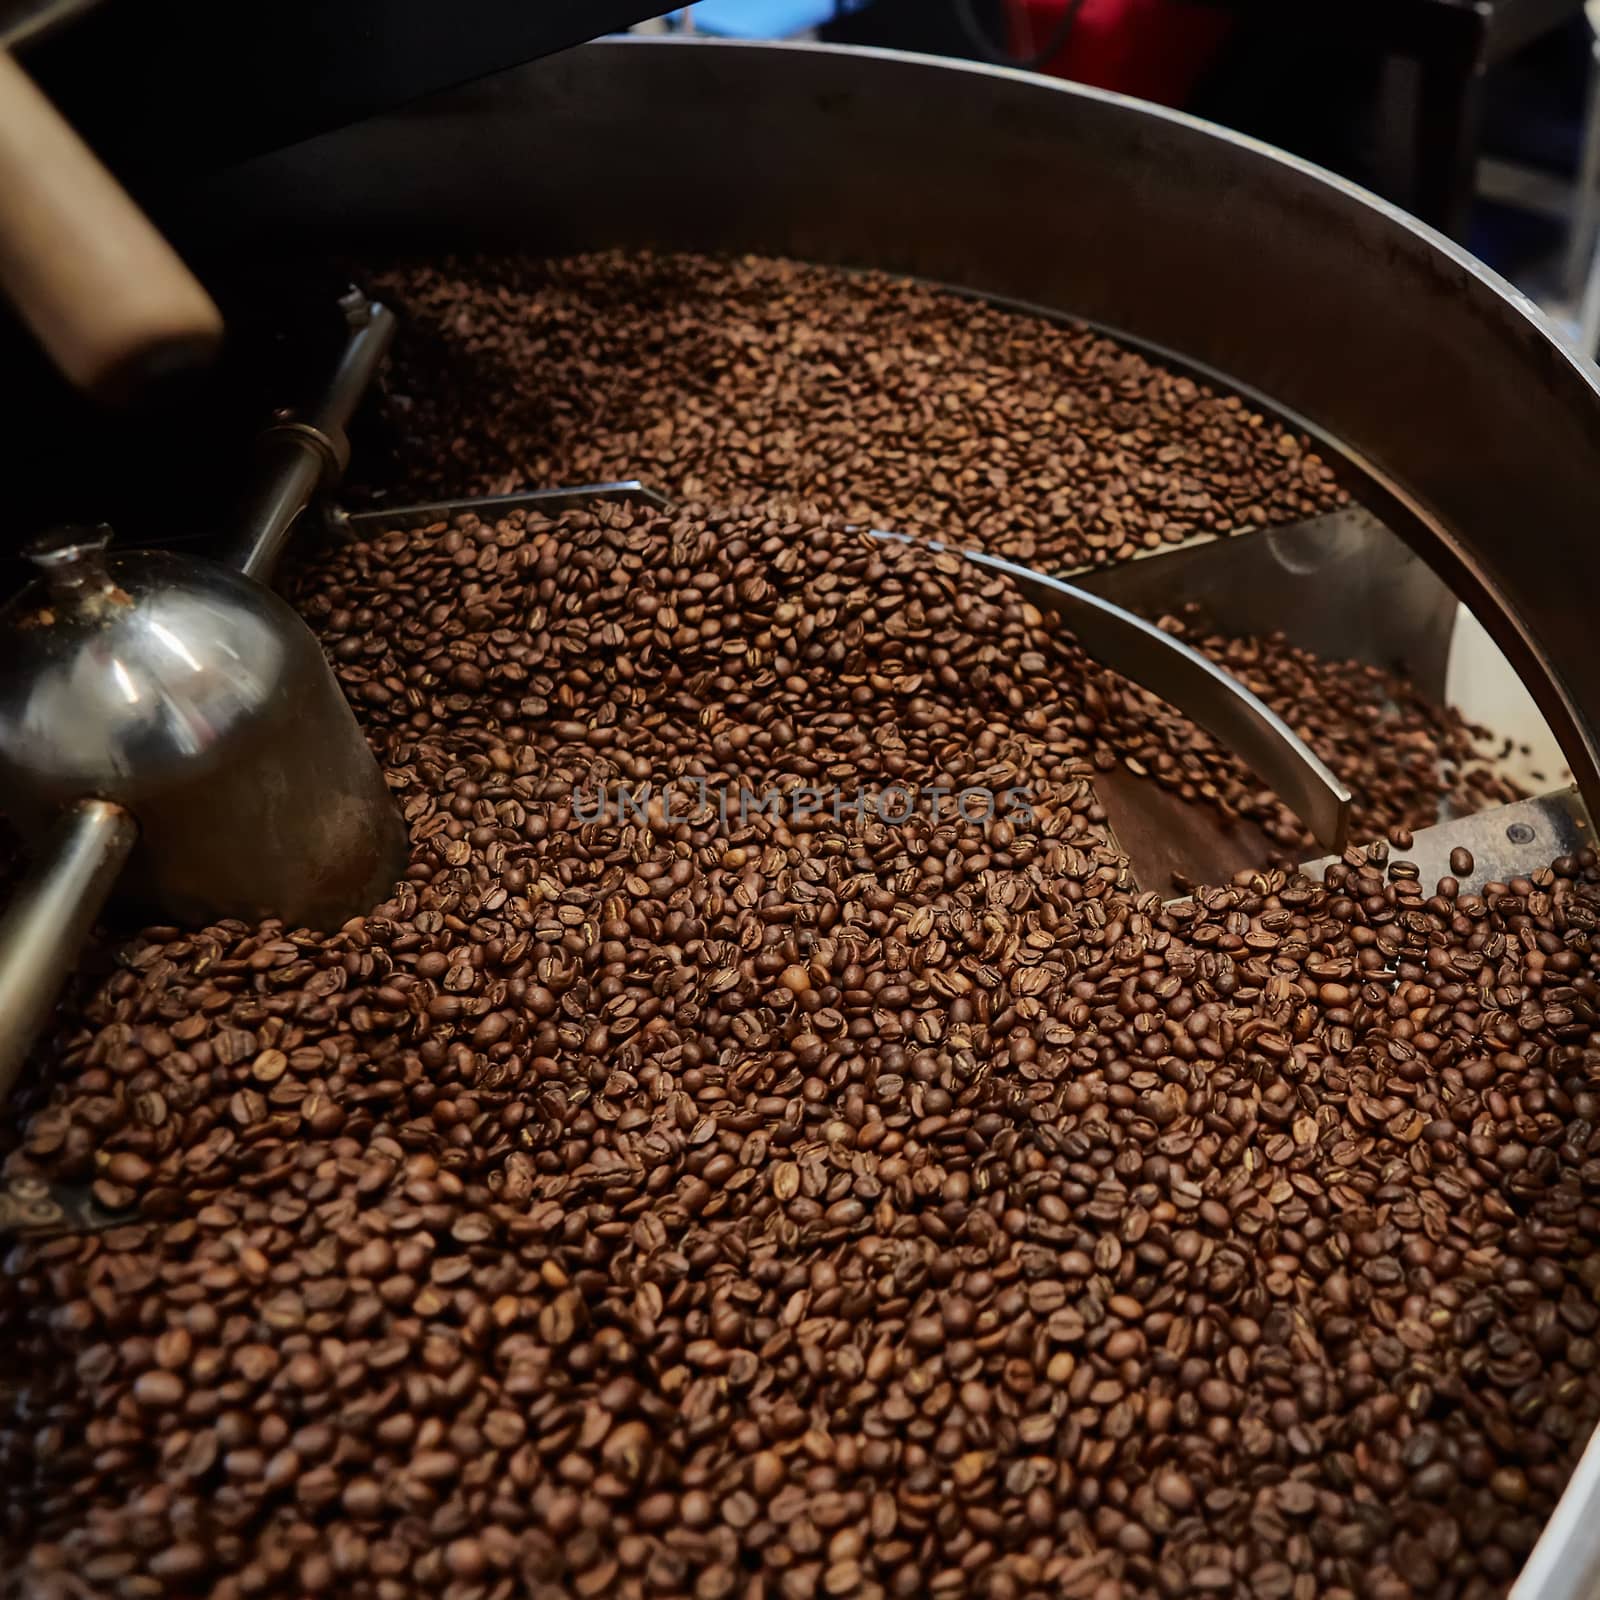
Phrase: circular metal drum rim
pixel 1478 432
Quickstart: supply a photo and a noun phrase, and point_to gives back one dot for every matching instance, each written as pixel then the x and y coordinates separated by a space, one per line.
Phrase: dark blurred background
pixel 1472 114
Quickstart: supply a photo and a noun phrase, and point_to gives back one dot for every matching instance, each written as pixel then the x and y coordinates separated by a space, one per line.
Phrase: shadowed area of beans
pixel 802 1203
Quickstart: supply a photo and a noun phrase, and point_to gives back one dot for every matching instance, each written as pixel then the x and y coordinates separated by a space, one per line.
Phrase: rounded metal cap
pixel 120 672
pixel 200 703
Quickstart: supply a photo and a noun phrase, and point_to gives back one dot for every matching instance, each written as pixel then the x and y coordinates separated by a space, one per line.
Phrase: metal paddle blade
pixel 1164 836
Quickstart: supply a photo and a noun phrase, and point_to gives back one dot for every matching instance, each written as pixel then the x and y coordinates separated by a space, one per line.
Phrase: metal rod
pixel 372 326
pixel 289 470
pixel 485 506
pixel 50 916
pixel 298 455
pixel 1194 685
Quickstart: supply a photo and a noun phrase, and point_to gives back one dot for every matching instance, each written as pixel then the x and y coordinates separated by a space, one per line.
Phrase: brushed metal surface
pixel 1341 585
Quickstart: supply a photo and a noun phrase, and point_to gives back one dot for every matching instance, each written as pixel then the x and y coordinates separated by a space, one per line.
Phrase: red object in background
pixel 1156 49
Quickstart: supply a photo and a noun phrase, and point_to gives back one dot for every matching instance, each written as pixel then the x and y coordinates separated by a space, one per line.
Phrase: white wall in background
pixel 1481 683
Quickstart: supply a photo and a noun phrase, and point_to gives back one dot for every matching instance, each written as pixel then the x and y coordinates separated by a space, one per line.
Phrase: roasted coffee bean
pixel 659 1194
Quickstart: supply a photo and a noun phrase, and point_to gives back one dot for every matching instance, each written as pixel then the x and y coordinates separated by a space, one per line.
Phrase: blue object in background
pixel 766 19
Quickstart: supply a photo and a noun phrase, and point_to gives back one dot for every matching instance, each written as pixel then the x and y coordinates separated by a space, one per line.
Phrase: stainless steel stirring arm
pixel 169 715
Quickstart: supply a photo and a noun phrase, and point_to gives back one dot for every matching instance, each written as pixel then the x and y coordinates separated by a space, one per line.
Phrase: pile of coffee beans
pixel 668 1195
pixel 894 404
pixel 876 398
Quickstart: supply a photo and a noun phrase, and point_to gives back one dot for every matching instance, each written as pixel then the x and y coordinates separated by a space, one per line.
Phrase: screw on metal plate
pixel 30 1208
pixel 1504 842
